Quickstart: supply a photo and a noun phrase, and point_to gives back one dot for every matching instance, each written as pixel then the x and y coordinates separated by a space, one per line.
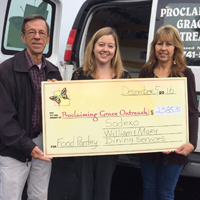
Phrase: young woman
pixel 102 61
pixel 160 171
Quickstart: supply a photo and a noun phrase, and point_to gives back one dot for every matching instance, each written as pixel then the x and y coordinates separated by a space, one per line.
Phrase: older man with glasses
pixel 21 146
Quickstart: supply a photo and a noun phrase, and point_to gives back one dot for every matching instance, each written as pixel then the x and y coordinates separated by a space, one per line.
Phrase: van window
pixel 17 10
pixel 185 16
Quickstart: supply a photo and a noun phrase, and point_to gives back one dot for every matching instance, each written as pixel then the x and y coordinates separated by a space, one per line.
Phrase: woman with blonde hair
pixel 90 66
pixel 160 171
pixel 102 61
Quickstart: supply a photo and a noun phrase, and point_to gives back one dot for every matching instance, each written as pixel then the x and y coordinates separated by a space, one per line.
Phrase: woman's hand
pixel 167 152
pixel 185 149
pixel 52 80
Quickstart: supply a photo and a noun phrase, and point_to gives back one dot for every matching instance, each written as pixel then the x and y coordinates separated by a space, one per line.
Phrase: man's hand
pixel 38 154
pixel 185 149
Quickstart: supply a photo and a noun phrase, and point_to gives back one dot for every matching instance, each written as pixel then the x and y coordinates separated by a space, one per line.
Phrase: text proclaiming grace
pixel 95 116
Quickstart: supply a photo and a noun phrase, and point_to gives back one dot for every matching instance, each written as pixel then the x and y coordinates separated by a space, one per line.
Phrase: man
pixel 21 156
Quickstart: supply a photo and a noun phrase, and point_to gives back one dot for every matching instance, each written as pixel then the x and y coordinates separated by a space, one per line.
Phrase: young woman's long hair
pixel 89 65
pixel 169 33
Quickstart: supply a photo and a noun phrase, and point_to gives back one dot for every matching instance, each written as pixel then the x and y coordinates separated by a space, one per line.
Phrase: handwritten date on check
pixel 102 117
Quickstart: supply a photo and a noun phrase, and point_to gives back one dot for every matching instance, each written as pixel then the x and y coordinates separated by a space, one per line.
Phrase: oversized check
pixel 101 117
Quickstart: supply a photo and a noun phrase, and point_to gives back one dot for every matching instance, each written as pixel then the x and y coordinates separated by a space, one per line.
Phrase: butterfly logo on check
pixel 63 95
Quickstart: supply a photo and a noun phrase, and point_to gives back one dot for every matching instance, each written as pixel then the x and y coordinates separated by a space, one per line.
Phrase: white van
pixel 72 24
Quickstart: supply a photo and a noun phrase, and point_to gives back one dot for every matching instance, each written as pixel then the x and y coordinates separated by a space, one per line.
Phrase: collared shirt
pixel 37 75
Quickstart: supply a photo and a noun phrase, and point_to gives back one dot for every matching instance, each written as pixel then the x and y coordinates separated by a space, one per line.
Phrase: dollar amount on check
pixel 102 117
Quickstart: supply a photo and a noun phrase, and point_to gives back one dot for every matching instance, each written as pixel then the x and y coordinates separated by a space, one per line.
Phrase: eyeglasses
pixel 32 33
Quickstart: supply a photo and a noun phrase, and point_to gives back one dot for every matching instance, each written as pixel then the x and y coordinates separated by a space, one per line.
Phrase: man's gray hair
pixel 31 18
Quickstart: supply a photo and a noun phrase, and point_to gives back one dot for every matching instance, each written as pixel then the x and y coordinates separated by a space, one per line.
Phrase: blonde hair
pixel 89 65
pixel 169 33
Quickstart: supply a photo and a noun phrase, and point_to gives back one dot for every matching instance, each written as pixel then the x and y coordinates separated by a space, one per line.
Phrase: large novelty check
pixel 101 117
